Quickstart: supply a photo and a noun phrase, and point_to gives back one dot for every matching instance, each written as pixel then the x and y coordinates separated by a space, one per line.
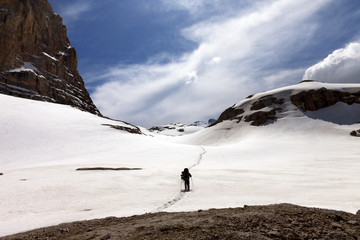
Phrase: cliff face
pixel 36 58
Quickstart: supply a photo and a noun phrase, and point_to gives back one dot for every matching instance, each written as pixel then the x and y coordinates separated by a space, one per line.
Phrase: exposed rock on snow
pixel 106 168
pixel 178 129
pixel 305 98
pixel 261 117
pixel 355 133
pixel 268 105
pixel 231 114
pixel 266 101
pixel 128 128
pixel 313 100
pixel 37 60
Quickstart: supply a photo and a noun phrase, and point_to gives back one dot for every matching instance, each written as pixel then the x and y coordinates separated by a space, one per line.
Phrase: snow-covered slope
pixel 292 108
pixel 42 145
pixel 295 159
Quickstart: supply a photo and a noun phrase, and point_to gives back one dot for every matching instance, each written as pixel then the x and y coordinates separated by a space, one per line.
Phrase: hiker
pixel 186 175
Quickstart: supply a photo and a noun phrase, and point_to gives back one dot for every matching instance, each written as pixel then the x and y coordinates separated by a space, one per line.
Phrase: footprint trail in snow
pixel 181 195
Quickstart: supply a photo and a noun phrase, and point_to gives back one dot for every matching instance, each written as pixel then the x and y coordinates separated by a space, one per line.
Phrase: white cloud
pixel 191 77
pixel 192 6
pixel 251 46
pixel 341 66
pixel 73 11
pixel 183 4
pixel 214 60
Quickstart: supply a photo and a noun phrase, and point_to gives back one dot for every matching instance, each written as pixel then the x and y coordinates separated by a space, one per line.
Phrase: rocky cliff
pixel 37 60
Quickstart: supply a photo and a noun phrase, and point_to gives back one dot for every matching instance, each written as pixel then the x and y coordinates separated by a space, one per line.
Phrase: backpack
pixel 185 174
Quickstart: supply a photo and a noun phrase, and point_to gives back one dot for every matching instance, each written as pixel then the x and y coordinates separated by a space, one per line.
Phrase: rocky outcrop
pixel 355 133
pixel 313 100
pixel 37 60
pixel 231 113
pixel 266 101
pixel 260 111
pixel 261 117
pixel 128 128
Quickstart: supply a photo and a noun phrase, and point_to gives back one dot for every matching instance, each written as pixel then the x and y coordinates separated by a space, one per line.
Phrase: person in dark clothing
pixel 186 175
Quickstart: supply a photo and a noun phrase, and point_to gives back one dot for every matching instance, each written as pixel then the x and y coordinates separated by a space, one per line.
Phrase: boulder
pixel 355 133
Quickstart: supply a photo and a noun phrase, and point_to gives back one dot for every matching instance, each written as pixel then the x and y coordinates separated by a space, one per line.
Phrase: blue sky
pixel 152 62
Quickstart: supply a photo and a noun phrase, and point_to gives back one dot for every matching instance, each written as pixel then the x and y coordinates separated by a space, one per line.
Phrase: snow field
pixel 297 160
pixel 41 146
pixel 314 175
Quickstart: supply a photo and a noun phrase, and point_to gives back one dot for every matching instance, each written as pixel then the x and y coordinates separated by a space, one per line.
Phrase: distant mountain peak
pixel 179 129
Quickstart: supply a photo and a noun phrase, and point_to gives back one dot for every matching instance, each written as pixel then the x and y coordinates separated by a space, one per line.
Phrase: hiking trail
pixel 180 195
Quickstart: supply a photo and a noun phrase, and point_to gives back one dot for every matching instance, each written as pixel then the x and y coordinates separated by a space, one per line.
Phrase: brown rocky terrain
pixel 282 221
pixel 316 99
pixel 257 116
pixel 37 60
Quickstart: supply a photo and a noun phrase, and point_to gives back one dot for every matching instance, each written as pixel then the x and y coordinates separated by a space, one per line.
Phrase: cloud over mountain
pixel 233 59
pixel 341 66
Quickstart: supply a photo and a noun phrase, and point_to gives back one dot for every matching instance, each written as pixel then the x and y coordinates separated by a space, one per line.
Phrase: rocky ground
pixel 282 221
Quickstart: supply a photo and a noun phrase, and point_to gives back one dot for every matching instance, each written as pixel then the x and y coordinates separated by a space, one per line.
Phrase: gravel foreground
pixel 280 221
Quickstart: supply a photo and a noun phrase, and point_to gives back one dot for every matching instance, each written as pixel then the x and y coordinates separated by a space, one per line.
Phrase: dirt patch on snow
pixel 107 168
pixel 130 129
pixel 281 221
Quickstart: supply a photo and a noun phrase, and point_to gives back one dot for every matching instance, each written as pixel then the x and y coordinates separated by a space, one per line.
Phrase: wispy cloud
pixel 73 11
pixel 341 66
pixel 192 6
pixel 235 57
pixel 199 8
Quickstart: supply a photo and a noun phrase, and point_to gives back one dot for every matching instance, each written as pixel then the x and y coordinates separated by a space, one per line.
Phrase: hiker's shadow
pixel 186 191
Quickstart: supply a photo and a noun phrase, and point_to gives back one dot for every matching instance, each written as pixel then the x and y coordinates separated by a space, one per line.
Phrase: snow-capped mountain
pixel 298 107
pixel 337 103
